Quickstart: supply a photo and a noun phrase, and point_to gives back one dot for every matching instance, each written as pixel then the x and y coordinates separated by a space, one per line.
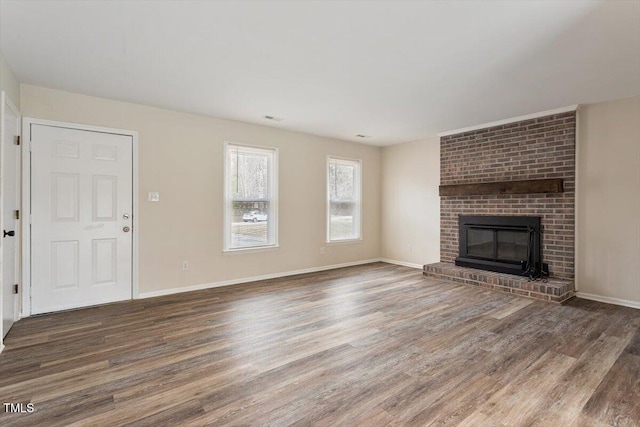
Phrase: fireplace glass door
pixel 497 245
pixel 506 244
pixel 512 245
pixel 480 243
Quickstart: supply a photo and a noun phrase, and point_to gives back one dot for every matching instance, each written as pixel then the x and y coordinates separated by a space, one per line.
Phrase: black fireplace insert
pixel 505 244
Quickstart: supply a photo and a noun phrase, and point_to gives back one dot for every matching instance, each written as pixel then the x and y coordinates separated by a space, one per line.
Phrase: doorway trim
pixel 27 122
pixel 8 103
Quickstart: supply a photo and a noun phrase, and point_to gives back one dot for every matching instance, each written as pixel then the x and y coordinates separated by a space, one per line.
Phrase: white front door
pixel 81 218
pixel 10 206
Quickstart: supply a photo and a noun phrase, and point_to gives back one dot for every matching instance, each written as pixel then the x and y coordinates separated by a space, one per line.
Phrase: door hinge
pixel 16 214
pixel 17 139
pixel 15 288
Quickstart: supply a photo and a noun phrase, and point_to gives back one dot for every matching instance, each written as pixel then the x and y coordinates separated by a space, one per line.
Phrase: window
pixel 344 199
pixel 251 197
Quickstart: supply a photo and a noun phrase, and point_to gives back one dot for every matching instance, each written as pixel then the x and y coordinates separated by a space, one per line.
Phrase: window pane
pixel 341 181
pixel 249 174
pixel 343 188
pixel 249 224
pixel 251 192
pixel 342 224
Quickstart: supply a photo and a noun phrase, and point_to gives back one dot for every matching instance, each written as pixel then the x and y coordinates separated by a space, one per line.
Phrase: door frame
pixel 27 122
pixel 8 103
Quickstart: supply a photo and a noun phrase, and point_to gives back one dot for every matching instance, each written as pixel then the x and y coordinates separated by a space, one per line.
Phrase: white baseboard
pixel 201 286
pixel 403 263
pixel 1 347
pixel 609 300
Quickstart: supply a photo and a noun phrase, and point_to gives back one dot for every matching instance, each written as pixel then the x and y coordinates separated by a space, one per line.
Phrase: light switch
pixel 154 196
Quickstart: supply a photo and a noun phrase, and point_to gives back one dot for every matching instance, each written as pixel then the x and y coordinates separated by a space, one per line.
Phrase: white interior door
pixel 81 218
pixel 10 206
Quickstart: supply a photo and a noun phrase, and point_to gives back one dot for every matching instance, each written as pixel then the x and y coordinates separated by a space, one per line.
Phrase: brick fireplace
pixel 534 149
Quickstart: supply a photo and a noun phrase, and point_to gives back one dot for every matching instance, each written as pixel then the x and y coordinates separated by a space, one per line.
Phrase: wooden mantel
pixel 531 186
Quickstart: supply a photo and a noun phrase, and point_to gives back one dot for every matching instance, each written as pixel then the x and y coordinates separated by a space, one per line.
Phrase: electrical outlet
pixel 322 250
pixel 409 248
pixel 185 265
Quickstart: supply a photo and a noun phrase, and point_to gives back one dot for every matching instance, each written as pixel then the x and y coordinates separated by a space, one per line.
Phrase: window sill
pixel 343 242
pixel 251 250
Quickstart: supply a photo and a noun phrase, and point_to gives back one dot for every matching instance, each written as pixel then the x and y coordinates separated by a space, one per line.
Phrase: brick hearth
pixel 555 290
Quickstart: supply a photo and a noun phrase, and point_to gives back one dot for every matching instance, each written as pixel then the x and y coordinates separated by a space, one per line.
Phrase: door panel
pixel 10 204
pixel 65 195
pixel 105 194
pixel 81 191
pixel 103 263
pixel 64 264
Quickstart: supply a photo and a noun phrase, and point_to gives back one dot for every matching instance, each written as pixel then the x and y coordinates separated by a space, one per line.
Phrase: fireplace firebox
pixel 505 244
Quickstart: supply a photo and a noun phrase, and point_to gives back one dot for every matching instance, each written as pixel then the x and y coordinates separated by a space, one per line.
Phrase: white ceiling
pixel 397 71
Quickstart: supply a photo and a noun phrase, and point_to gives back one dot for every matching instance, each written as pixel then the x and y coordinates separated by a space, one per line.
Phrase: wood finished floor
pixel 366 346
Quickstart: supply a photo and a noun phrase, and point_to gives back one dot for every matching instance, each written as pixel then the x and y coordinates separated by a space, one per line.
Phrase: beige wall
pixel 411 209
pixel 9 82
pixel 608 200
pixel 180 155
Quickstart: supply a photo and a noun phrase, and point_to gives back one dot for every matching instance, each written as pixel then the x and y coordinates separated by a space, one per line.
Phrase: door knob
pixel 9 233
pixel 126 229
pixel 126 216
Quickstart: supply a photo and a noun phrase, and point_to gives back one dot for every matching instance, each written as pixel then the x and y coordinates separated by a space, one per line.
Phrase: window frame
pixel 227 201
pixel 358 191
